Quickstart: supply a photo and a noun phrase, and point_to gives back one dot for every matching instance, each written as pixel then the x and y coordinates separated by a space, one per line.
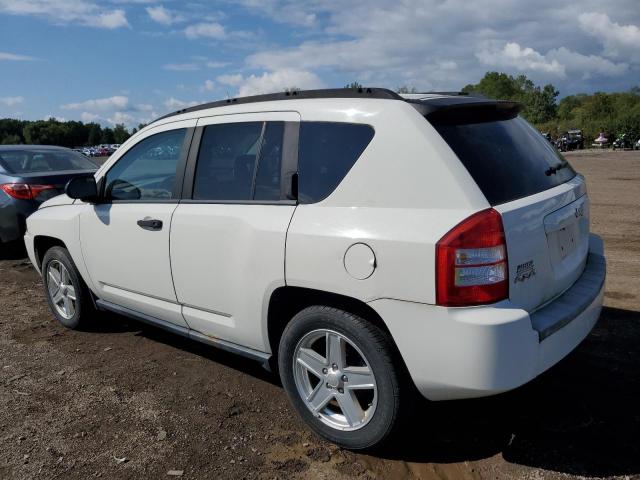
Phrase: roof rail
pixel 380 93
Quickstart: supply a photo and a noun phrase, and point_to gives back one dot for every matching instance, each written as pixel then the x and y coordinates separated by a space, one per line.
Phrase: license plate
pixel 567 240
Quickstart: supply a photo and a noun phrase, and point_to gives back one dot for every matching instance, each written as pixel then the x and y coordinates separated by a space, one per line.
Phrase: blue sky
pixel 129 61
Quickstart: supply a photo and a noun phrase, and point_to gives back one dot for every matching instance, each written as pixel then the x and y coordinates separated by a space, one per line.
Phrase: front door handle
pixel 150 224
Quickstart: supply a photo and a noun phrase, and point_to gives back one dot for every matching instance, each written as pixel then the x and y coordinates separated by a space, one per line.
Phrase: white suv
pixel 365 243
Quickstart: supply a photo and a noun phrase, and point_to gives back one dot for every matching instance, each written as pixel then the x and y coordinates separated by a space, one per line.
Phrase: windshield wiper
pixel 552 170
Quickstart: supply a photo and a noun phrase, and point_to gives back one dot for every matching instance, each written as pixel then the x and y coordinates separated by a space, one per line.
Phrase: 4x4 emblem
pixel 524 271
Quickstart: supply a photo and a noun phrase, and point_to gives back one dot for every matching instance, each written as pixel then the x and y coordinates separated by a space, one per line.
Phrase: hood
pixel 57 201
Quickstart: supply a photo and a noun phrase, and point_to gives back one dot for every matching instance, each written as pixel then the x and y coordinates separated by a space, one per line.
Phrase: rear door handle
pixel 150 224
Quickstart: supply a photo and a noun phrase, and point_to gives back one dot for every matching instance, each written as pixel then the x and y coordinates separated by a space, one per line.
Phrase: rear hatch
pixel 543 203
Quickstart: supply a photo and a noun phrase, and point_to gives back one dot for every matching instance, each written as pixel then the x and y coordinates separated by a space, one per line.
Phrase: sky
pixel 130 61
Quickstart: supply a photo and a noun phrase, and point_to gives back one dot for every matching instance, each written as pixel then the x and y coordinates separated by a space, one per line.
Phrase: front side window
pixel 327 151
pixel 148 170
pixel 239 162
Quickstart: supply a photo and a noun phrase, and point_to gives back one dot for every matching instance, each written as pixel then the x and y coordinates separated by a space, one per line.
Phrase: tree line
pixel 612 113
pixel 66 134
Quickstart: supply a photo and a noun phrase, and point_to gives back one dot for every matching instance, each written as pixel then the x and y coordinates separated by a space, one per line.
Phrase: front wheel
pixel 68 296
pixel 339 372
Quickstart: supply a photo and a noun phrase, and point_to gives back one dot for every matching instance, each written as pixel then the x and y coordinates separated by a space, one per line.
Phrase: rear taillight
pixel 24 191
pixel 471 262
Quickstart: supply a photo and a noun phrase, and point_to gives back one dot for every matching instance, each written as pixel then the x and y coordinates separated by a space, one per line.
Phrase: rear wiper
pixel 552 170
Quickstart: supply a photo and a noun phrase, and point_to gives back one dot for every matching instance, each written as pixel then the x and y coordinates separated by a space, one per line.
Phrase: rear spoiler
pixel 465 109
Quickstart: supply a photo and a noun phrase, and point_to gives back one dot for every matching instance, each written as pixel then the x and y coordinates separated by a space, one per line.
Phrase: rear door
pixel 125 239
pixel 543 203
pixel 228 233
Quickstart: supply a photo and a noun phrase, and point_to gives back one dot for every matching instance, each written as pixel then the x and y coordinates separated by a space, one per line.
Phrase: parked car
pixel 636 146
pixel 30 175
pixel 366 244
pixel 570 140
pixel 622 142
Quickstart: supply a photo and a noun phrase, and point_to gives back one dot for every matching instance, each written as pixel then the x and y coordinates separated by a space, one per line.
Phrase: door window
pixel 239 161
pixel 148 170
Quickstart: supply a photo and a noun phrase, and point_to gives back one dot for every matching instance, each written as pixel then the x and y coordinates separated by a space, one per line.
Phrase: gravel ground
pixel 129 401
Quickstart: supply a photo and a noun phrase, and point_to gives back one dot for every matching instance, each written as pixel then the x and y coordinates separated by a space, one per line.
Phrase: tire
pixel 369 358
pixel 74 314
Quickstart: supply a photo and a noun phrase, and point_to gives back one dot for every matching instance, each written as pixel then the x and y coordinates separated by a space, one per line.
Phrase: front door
pixel 228 235
pixel 125 239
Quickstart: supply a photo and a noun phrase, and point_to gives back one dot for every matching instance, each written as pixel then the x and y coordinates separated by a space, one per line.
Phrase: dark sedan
pixel 29 175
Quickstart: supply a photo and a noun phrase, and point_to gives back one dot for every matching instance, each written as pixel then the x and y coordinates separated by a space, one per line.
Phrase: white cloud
pixel 163 16
pixel 230 79
pixel 558 62
pixel 213 64
pixel 586 65
pixel 175 104
pixel 88 117
pixel 512 55
pixel 276 81
pixel 15 57
pixel 144 107
pixel 284 12
pixel 120 117
pixel 110 20
pixel 209 86
pixel 82 12
pixel 11 101
pixel 181 67
pixel 412 42
pixel 205 30
pixel 110 103
pixel 618 40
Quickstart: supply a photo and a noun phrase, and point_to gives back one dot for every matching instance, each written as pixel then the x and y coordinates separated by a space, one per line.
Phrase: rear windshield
pixel 508 159
pixel 36 161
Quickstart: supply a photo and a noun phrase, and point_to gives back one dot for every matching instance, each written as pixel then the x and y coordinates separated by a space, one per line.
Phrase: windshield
pixel 508 159
pixel 44 160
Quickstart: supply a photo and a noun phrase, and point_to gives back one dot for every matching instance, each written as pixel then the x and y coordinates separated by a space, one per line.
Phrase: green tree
pixel 11 131
pixel 539 103
pixel 354 85
pixel 494 85
pixel 120 133
pixel 107 136
pixel 11 139
pixel 95 134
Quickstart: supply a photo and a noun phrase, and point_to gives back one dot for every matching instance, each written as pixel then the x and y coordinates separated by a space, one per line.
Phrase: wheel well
pixel 285 302
pixel 42 243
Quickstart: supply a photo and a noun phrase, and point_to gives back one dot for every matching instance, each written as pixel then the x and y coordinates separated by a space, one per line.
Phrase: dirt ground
pixel 129 401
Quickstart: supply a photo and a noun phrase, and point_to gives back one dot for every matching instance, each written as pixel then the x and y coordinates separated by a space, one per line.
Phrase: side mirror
pixel 82 188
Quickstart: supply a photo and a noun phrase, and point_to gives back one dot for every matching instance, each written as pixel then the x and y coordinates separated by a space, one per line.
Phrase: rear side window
pixel 326 153
pixel 239 161
pixel 508 159
pixel 43 160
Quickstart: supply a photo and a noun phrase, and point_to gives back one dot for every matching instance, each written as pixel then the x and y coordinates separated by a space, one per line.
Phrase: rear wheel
pixel 339 373
pixel 68 296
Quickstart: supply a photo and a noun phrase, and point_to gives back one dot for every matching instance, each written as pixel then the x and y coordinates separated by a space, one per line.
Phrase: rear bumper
pixel 456 353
